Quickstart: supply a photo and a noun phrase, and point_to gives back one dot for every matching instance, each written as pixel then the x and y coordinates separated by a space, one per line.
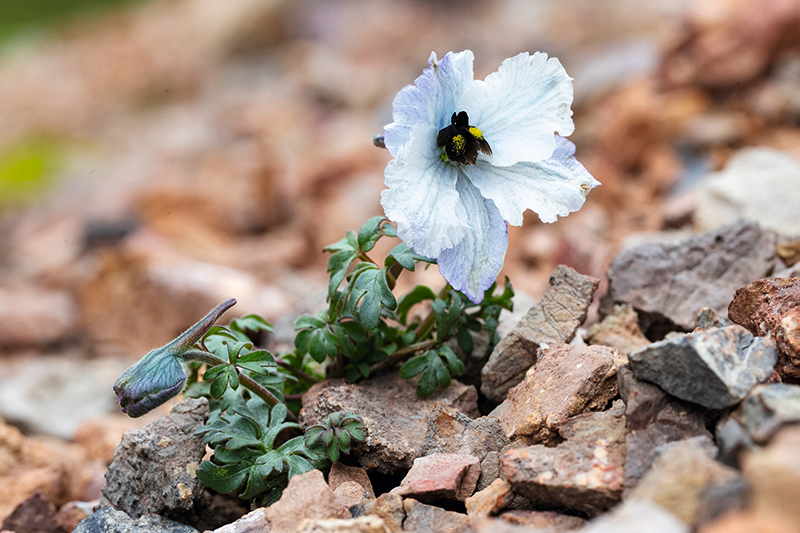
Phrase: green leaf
pixel 418 294
pixel 416 365
pixel 306 321
pixel 253 323
pixel 338 264
pixel 333 452
pixel 233 378
pixel 369 233
pixel 219 385
pixel 456 365
pixel 465 341
pixel 215 371
pixel 427 382
pixel 223 479
pixel 406 257
pixel 322 344
pixel 369 292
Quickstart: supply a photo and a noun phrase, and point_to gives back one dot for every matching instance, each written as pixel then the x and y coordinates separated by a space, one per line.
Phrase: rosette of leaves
pixel 255 452
pixel 336 433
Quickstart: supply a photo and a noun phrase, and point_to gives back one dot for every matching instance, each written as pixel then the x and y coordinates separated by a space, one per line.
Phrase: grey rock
pixel 395 418
pixel 450 431
pixel 681 475
pixel 668 284
pixel 108 520
pixel 490 470
pixel 767 409
pixel 584 474
pixel 707 319
pixel 566 381
pixel 635 516
pixel 653 418
pixel 422 517
pixel 154 467
pixel 555 319
pixel 253 522
pixel 714 368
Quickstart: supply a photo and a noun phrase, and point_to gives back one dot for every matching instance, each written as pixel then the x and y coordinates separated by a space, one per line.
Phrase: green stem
pixel 401 355
pixel 426 326
pixel 257 389
pixel 296 371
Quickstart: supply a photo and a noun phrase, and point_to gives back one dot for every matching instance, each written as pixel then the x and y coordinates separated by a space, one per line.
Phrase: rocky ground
pixel 648 379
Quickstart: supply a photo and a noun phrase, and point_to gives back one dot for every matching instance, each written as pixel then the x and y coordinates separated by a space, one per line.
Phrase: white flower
pixel 471 156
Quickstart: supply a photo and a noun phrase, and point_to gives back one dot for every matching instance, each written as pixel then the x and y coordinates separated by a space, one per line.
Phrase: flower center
pixel 462 142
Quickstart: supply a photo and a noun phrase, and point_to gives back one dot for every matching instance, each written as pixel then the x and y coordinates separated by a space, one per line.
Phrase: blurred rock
pixel 668 284
pixel 566 381
pixel 353 496
pixel 100 436
pixel 341 473
pixel 253 522
pixel 619 331
pixel 490 500
pixel 421 517
pixel 726 43
pixel 767 409
pixel 653 418
pixel 706 319
pixel 544 519
pixel 772 307
pixel 389 507
pixel 749 522
pixel 55 394
pixel 555 318
pixel 395 418
pixel 585 474
pixel 774 473
pixel 72 513
pixel 747 188
pixel 788 249
pixel 450 431
pixel 680 477
pixel 35 514
pixel 108 519
pixel 441 477
pixel 307 496
pixel 154 467
pixel 34 317
pixel 714 368
pixel 364 524
pixel 635 516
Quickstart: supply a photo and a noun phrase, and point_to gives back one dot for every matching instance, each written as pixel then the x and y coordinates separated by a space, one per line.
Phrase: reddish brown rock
pixel 395 418
pixel 307 496
pixel 72 513
pixel 584 475
pixel 772 307
pixel 566 381
pixel 341 473
pixel 450 431
pixel 441 477
pixel 36 514
pixel 389 507
pixel 544 519
pixel 490 500
pixel 555 319
pixel 353 496
pixel 653 418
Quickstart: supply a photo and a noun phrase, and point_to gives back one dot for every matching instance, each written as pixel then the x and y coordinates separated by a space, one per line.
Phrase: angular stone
pixel 774 473
pixel 566 381
pixel 450 431
pixel 253 522
pixel 363 524
pixel 36 514
pixel 681 474
pixel 108 519
pixel 490 470
pixel 544 519
pixel 154 467
pixel 772 307
pixel 714 368
pixel 490 500
pixel 441 477
pixel 555 319
pixel 619 330
pixel 306 496
pixel 353 496
pixel 653 418
pixel 706 319
pixel 668 284
pixel 767 409
pixel 585 474
pixel 72 513
pixel 421 517
pixel 341 473
pixel 788 249
pixel 636 516
pixel 389 507
pixel 395 418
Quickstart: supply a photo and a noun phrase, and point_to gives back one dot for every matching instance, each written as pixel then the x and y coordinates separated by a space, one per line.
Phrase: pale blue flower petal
pixel 473 265
pixel 422 197
pixel 551 188
pixel 520 107
pixel 431 100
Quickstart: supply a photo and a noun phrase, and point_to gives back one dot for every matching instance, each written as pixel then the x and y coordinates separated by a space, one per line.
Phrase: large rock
pixel 653 419
pixel 772 307
pixel 555 319
pixel 450 431
pixel 714 368
pixel 668 284
pixel 395 418
pixel 566 381
pixel 681 476
pixel 585 474
pixel 154 467
pixel 108 520
pixel 306 496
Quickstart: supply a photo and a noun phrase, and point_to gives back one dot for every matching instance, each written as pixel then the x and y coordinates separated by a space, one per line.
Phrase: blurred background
pixel 160 156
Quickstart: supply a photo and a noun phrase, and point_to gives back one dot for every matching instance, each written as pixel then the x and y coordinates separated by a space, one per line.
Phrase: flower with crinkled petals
pixel 470 156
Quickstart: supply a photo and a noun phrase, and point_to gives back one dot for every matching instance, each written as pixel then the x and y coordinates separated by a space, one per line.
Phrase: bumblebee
pixel 462 142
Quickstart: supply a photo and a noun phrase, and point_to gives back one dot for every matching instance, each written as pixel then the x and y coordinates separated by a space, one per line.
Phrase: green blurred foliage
pixel 26 169
pixel 18 16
